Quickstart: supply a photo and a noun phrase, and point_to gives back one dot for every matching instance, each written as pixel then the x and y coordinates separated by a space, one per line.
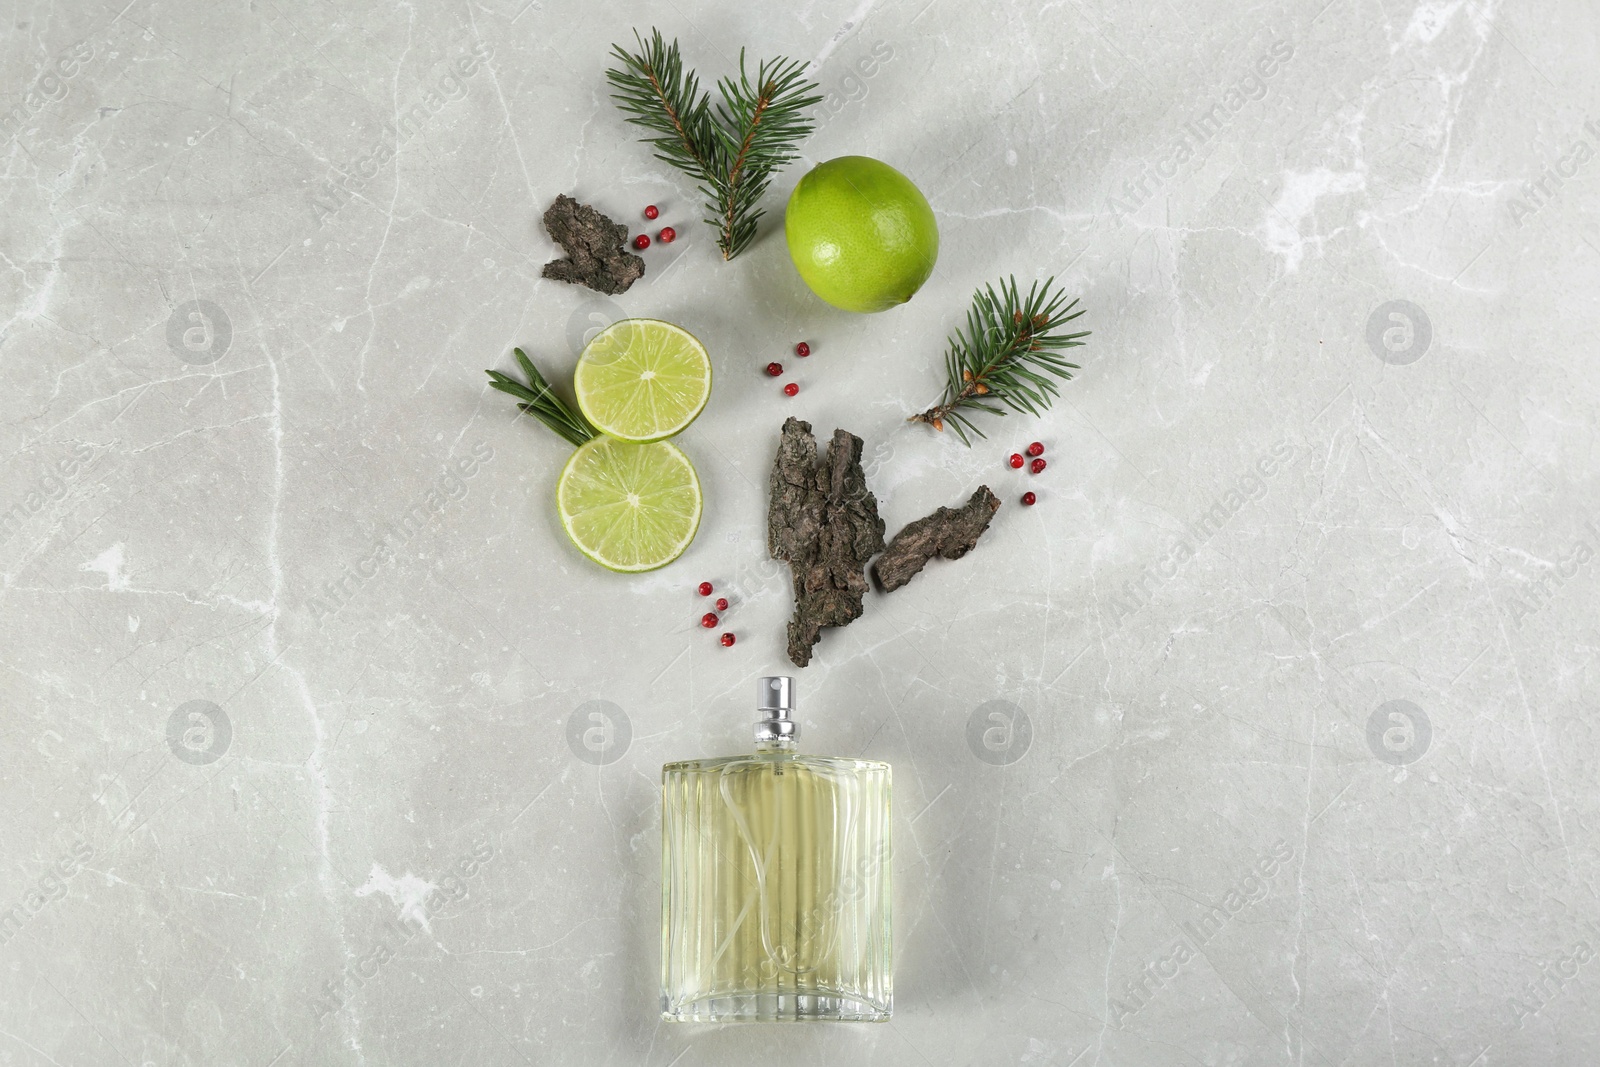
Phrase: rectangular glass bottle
pixel 775 882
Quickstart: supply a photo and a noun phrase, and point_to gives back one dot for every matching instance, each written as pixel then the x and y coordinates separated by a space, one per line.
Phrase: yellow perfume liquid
pixel 775 879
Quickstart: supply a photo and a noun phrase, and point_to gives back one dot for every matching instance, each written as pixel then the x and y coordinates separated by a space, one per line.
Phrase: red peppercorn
pixel 704 589
pixel 1028 499
pixel 650 212
pixel 708 620
pixel 727 640
pixel 667 235
pixel 802 350
pixel 722 603
pixel 641 242
pixel 1036 466
pixel 791 389
pixel 1015 460
pixel 775 369
pixel 1036 449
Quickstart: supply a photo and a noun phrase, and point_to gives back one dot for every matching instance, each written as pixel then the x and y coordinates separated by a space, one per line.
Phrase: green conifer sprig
pixel 1008 353
pixel 732 150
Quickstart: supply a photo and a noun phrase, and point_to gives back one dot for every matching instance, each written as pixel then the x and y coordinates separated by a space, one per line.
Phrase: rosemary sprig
pixel 537 399
pixel 1008 353
pixel 733 151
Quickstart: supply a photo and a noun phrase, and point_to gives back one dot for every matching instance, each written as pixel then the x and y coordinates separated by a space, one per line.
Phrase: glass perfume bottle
pixel 775 881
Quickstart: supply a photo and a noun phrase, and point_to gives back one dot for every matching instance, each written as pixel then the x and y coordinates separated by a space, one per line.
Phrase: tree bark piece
pixel 594 246
pixel 824 521
pixel 948 532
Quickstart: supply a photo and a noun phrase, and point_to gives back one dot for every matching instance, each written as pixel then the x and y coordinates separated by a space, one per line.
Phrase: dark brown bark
pixel 948 532
pixel 594 247
pixel 824 521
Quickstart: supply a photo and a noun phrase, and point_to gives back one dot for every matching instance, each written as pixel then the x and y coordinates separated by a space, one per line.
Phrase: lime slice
pixel 642 379
pixel 629 507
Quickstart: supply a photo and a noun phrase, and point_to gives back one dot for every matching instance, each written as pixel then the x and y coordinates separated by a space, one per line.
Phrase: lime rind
pixel 643 380
pixel 861 235
pixel 629 507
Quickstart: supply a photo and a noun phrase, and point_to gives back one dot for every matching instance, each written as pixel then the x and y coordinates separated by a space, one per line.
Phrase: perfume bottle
pixel 775 881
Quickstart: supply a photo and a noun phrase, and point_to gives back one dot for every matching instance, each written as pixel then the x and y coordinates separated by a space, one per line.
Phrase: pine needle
pixel 1008 353
pixel 731 151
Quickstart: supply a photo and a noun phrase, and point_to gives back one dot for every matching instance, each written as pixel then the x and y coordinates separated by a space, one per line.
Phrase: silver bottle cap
pixel 775 701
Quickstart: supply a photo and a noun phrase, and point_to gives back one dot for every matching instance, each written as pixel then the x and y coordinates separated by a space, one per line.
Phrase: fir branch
pixel 540 401
pixel 1008 353
pixel 733 151
pixel 655 92
pixel 769 116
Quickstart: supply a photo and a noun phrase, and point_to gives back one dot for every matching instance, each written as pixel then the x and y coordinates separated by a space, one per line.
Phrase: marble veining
pixel 1267 736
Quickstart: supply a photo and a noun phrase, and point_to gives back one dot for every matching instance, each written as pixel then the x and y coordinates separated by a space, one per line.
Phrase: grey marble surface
pixel 1302 627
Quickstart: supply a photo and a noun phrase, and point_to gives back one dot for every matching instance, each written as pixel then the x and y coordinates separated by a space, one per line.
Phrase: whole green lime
pixel 860 234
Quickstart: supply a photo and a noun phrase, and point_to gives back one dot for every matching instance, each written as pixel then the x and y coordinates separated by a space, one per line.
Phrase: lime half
pixel 642 379
pixel 629 507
